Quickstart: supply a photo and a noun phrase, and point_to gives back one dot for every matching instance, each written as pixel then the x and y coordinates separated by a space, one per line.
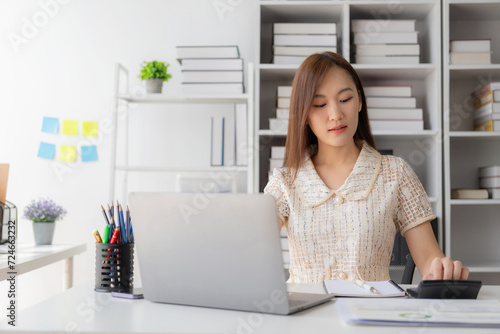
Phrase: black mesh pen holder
pixel 114 267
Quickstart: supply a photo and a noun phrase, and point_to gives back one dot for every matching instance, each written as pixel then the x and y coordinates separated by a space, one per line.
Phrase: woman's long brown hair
pixel 300 138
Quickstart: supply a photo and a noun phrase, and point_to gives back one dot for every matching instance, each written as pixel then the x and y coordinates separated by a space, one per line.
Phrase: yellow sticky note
pixel 70 128
pixel 89 129
pixel 67 153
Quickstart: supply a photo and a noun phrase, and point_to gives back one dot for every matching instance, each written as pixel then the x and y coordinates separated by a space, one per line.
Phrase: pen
pixel 97 236
pixel 105 237
pixel 115 236
pixel 363 285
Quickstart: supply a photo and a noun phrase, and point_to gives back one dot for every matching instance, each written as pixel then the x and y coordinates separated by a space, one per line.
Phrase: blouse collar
pixel 357 186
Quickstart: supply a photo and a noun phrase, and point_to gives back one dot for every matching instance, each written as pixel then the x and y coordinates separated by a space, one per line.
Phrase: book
pixel 305 28
pixel 392 91
pixel 241 120
pixel 388 60
pixel 487 88
pixel 485 118
pixel 288 60
pixel 390 102
pixel 469 194
pixel 470 58
pixel 305 40
pixel 486 98
pixel 487 109
pixel 207 51
pixel 215 64
pixel 229 156
pixel 217 141
pixel 277 152
pixel 212 88
pixel 387 49
pixel 348 289
pixel 386 38
pixel 279 125
pixel 283 102
pixel 211 76
pixel 490 125
pixel 284 91
pixel 490 171
pixel 395 114
pixel 396 125
pixel 280 50
pixel 382 25
pixel 470 45
pixel 489 182
pixel 282 113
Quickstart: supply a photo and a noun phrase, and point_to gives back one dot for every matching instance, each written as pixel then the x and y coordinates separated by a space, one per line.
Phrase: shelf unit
pixel 120 160
pixel 422 149
pixel 471 226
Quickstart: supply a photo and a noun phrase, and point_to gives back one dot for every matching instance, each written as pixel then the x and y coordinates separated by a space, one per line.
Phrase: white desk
pixel 30 257
pixel 81 309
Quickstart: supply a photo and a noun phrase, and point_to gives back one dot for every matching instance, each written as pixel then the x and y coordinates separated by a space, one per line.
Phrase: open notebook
pixel 349 289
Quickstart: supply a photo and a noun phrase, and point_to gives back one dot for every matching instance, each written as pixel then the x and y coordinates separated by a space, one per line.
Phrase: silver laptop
pixel 213 250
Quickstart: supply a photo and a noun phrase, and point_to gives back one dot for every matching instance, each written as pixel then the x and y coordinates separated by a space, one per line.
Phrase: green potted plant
pixel 43 213
pixel 154 73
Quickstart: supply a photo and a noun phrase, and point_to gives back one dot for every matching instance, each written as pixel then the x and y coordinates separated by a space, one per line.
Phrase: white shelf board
pixel 230 169
pixel 405 134
pixel 474 134
pixel 164 98
pixel 475 202
pixel 483 266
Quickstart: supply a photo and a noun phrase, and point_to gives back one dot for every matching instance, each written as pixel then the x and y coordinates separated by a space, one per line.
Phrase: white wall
pixel 65 69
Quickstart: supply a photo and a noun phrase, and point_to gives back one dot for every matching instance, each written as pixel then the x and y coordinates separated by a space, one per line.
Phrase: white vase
pixel 44 232
pixel 154 86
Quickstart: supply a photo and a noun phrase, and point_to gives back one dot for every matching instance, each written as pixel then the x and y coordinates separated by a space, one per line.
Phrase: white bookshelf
pixel 122 171
pixel 422 149
pixel 471 226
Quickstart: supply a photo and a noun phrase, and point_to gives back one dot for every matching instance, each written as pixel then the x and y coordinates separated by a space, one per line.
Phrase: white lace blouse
pixel 348 233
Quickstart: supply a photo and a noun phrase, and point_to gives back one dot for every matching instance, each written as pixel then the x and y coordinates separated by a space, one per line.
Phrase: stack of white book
pixel 393 108
pixel 487 107
pixel 276 159
pixel 211 69
pixel 489 178
pixel 280 122
pixel 388 42
pixel 470 52
pixel 293 42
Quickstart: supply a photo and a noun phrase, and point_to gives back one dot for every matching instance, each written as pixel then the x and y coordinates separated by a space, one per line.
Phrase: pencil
pixel 127 226
pixel 104 214
pixel 110 211
pixel 122 224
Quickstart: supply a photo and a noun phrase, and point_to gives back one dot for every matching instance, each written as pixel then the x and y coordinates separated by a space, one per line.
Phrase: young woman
pixel 339 199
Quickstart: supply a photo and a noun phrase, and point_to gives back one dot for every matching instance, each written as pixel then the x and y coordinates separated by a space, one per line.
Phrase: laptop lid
pixel 213 250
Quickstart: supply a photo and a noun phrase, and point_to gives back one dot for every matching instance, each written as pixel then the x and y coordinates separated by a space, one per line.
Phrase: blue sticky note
pixel 89 153
pixel 50 125
pixel 46 151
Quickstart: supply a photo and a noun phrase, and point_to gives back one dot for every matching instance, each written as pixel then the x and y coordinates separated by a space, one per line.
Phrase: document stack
pixel 393 108
pixel 280 122
pixel 277 156
pixel 211 69
pixel 489 179
pixel 388 42
pixel 293 42
pixel 470 52
pixel 487 107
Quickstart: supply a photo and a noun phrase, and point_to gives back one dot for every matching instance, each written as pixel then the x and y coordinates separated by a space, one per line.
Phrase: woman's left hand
pixel 446 268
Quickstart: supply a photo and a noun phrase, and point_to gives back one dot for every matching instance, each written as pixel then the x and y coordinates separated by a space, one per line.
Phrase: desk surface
pixel 30 257
pixel 81 309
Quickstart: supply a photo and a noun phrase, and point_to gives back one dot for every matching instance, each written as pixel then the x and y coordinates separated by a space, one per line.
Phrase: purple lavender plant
pixel 44 211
